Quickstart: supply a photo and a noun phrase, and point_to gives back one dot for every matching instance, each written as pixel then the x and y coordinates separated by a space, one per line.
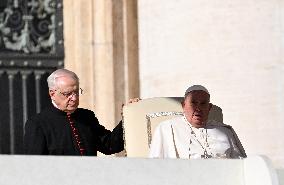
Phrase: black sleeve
pixel 34 140
pixel 111 142
pixel 117 142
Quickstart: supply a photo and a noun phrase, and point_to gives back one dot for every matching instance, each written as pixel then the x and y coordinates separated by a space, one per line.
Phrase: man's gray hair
pixel 52 79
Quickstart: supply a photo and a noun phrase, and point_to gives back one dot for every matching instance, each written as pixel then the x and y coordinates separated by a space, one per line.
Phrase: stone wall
pixel 51 170
pixel 234 48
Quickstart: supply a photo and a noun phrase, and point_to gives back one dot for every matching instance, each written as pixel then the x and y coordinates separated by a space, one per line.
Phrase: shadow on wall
pixel 216 114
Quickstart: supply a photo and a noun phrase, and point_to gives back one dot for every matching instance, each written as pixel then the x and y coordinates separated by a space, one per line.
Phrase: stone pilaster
pixel 101 44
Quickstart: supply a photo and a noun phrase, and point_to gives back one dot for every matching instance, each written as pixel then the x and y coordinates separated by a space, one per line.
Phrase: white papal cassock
pixel 177 138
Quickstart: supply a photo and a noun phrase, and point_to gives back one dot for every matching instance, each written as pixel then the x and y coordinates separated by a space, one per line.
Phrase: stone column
pixel 101 44
pixel 125 52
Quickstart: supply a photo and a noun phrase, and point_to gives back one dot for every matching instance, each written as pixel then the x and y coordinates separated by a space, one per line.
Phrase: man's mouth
pixel 197 115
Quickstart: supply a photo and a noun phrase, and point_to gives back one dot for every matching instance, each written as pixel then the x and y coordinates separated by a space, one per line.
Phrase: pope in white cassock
pixel 193 136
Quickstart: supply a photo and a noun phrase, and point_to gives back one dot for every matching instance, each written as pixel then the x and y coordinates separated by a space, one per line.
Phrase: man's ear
pixel 51 93
pixel 210 106
pixel 182 103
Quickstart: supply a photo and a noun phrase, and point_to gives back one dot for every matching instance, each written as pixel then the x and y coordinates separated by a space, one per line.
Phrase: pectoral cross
pixel 205 155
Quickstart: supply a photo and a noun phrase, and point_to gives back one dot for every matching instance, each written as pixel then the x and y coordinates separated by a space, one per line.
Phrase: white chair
pixel 141 118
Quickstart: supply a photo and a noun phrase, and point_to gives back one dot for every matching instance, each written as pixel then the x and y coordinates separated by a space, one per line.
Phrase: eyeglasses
pixel 71 94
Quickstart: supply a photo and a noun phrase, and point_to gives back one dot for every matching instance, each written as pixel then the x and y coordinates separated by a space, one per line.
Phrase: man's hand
pixel 132 100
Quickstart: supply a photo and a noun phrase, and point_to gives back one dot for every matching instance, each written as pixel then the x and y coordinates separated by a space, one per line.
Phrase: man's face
pixel 196 108
pixel 66 94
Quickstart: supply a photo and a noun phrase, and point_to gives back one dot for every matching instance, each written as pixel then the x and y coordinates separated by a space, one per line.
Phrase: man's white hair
pixel 52 78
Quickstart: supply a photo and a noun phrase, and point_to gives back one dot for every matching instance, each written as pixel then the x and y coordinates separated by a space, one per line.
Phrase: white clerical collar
pixel 54 104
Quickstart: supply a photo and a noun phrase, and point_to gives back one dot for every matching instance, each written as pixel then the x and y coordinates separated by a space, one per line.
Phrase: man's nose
pixel 197 106
pixel 74 96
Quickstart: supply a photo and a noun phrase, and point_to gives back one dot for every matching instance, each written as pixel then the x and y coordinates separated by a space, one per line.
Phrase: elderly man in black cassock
pixel 64 129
